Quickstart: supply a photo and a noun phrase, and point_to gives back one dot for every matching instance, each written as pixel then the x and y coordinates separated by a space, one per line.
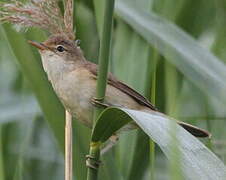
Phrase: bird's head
pixel 59 46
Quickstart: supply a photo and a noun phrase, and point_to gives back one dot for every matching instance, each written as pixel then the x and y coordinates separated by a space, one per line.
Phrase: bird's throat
pixel 55 66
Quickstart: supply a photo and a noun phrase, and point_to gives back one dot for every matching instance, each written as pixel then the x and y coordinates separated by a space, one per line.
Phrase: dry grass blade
pixel 68 18
pixel 68 147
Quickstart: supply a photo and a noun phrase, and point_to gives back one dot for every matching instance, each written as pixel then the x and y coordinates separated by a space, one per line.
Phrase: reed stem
pixel 68 147
pixel 104 57
pixel 153 100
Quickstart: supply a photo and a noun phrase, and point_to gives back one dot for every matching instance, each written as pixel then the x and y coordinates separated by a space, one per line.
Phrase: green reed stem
pixel 104 57
pixel 153 100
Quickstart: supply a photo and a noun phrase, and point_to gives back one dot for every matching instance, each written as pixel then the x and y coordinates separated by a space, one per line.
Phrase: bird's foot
pixel 97 102
pixel 91 162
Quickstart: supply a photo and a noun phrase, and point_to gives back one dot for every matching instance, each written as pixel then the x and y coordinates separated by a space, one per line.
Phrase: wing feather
pixel 122 87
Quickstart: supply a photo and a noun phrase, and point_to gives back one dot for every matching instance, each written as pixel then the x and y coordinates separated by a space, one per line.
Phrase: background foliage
pixel 31 117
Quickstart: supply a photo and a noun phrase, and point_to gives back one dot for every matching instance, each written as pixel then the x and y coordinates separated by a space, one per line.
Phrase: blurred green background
pixel 189 85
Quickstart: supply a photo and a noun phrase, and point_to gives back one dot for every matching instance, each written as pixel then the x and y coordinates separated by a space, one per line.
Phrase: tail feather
pixel 195 131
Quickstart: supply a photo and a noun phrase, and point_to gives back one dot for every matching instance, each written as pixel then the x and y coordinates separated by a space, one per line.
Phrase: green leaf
pixel 32 69
pixel 197 64
pixel 107 124
pixel 140 161
pixel 194 156
pixel 110 169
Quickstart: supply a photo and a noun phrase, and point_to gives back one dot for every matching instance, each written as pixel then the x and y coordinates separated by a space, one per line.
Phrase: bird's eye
pixel 60 48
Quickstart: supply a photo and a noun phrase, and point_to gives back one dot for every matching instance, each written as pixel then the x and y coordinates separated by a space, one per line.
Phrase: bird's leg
pixel 112 141
pixel 91 162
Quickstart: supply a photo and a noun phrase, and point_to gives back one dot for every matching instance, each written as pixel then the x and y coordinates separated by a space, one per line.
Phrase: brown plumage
pixel 122 87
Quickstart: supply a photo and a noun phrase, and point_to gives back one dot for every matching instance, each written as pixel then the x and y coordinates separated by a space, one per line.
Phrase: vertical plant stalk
pixel 171 92
pixel 68 147
pixel 104 57
pixel 153 100
pixel 68 22
pixel 209 126
pixel 2 174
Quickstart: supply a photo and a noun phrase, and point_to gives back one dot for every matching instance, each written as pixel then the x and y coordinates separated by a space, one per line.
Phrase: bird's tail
pixel 195 131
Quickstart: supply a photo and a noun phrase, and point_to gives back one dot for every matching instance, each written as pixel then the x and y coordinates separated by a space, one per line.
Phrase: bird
pixel 74 80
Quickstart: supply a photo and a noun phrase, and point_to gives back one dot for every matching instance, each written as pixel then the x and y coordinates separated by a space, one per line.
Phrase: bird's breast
pixel 76 89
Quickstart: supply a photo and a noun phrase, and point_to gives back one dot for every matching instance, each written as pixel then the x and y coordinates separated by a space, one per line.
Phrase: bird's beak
pixel 37 45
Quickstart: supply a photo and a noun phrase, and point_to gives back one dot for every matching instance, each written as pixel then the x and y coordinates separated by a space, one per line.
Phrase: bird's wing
pixel 122 87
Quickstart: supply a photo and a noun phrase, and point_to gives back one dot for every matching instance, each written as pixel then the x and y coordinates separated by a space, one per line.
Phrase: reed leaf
pixel 194 156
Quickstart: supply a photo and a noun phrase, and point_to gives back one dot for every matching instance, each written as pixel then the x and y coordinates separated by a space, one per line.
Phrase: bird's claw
pixel 97 102
pixel 91 162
